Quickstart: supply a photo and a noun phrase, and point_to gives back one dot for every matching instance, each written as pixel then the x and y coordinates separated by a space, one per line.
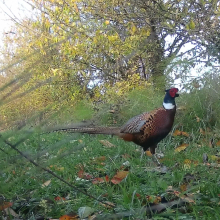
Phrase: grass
pixel 66 154
pixel 187 177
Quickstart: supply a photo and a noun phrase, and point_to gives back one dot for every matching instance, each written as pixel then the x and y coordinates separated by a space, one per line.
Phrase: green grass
pixel 65 154
pixel 21 182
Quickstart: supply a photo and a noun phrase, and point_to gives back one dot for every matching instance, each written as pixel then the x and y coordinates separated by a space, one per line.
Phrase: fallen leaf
pixel 101 158
pixel 154 199
pixel 106 143
pixel 185 134
pixel 148 153
pixel 87 176
pixel 116 180
pixel 101 180
pixel 119 177
pixel 80 173
pixel 187 161
pixel 138 195
pixel 69 217
pixel 108 204
pixel 4 205
pixel 187 164
pixel 218 143
pixel 187 198
pixel 149 199
pixel 181 147
pixel 47 183
pixel 84 175
pixel 57 198
pixel 98 180
pixel 122 174
pixel 177 133
pixel 107 178
pixel 105 195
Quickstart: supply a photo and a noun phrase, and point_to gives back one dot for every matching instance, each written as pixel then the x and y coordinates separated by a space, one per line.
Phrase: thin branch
pixel 14 147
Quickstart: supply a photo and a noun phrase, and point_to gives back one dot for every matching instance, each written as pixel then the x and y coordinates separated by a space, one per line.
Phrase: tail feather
pixel 92 130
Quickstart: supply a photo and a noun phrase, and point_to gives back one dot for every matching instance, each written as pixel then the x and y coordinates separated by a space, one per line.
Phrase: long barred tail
pixel 91 130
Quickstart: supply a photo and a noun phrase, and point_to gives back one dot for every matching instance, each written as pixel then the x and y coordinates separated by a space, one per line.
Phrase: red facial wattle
pixel 173 92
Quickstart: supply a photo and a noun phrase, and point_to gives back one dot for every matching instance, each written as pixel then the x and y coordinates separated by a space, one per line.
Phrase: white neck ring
pixel 168 105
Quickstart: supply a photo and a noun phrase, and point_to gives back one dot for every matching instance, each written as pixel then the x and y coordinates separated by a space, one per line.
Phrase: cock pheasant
pixel 146 130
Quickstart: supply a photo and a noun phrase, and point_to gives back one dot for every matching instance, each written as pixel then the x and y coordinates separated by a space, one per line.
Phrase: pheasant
pixel 146 129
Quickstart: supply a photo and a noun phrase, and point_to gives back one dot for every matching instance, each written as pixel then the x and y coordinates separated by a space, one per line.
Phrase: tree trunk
pixel 157 60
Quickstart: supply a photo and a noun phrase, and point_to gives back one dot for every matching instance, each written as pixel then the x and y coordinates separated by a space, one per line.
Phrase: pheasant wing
pixel 135 125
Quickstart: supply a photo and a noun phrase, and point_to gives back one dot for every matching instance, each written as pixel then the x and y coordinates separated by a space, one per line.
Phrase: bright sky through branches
pixel 12 11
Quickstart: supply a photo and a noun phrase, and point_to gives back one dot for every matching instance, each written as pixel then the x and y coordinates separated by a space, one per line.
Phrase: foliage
pixel 103 60
pixel 85 162
pixel 201 106
pixel 80 48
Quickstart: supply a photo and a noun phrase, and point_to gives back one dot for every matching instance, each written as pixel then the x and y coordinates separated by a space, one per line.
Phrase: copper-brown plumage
pixel 145 130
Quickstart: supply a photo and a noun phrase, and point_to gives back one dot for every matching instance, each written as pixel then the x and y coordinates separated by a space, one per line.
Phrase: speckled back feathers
pixel 150 128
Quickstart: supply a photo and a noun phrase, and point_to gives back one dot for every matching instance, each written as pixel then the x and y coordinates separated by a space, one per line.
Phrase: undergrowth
pixel 33 191
pixel 67 154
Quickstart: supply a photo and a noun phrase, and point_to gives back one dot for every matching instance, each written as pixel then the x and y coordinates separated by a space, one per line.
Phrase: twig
pixel 158 208
pixel 3 151
pixel 13 146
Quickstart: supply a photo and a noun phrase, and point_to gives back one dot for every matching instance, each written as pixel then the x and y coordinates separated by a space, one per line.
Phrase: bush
pixel 200 108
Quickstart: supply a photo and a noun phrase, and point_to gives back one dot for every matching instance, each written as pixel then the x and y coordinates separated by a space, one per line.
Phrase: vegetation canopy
pixel 102 62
